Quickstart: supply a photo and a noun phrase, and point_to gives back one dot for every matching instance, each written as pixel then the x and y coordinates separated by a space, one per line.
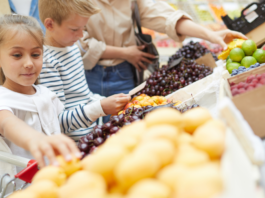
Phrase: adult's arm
pixel 93 50
pixel 177 24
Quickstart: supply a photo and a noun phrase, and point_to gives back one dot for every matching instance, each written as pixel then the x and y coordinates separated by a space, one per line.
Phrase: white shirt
pixel 113 26
pixel 40 111
pixel 32 118
pixel 22 6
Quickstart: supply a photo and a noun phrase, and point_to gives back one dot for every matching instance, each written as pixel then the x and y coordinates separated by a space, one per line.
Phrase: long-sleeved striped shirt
pixel 63 73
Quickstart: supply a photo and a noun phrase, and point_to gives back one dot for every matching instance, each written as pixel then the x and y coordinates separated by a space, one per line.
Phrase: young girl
pixel 28 112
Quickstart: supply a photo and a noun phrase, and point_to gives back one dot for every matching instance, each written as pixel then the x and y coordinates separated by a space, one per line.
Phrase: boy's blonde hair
pixel 13 24
pixel 59 10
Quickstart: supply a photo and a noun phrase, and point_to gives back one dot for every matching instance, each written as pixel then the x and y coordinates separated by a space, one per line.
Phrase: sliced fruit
pixel 224 54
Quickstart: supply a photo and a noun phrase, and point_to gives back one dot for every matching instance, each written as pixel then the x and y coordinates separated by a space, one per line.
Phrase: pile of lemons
pixel 168 154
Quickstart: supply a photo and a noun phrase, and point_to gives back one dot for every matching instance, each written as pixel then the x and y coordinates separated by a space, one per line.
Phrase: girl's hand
pixel 50 146
pixel 224 36
pixel 137 58
pixel 114 104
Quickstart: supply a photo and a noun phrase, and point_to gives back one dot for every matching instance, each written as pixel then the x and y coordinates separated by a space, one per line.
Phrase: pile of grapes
pixel 191 51
pixel 87 144
pixel 166 81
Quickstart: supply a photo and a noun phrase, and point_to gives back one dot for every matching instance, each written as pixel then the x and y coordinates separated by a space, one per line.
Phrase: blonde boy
pixel 63 70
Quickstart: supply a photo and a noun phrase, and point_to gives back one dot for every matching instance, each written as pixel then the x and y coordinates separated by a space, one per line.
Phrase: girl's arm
pixel 189 28
pixel 38 144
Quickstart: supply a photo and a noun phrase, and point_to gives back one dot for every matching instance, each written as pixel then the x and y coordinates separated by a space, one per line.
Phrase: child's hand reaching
pixel 114 104
pixel 51 146
pixel 38 144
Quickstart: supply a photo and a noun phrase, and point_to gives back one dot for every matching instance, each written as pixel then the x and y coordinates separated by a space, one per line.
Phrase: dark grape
pixel 129 110
pixel 89 136
pixel 107 126
pixel 114 129
pixel 115 120
pixel 98 141
pixel 97 133
pixel 83 147
pixel 163 82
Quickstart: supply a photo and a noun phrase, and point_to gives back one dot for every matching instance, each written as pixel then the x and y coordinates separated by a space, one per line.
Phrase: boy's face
pixel 70 30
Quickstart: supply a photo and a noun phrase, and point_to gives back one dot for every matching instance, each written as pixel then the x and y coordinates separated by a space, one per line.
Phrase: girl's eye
pixel 35 55
pixel 74 30
pixel 17 55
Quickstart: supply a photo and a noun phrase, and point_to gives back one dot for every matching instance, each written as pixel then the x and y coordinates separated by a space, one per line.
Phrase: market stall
pixel 192 129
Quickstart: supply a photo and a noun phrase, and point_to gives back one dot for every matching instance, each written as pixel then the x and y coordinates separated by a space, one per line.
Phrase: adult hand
pixel 50 146
pixel 137 58
pixel 115 103
pixel 224 36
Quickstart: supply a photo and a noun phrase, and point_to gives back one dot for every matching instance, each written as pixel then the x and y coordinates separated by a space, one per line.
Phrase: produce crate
pixel 204 92
pixel 251 22
pixel 251 104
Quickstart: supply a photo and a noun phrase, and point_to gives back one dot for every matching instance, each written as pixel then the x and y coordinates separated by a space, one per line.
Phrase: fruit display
pixel 146 100
pixel 235 43
pixel 168 80
pixel 87 144
pixel 252 82
pixel 193 50
pixel 242 69
pixel 165 155
pixel 242 53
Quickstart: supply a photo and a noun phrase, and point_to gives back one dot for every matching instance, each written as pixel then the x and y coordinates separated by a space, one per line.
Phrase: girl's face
pixel 21 61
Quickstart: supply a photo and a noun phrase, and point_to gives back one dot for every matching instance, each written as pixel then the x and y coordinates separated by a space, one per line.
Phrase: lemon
pixel 248 61
pixel 52 173
pixel 231 66
pixel 259 55
pixel 249 47
pixel 236 54
pixel 69 167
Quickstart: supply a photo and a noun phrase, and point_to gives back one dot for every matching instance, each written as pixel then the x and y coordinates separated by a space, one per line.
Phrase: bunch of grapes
pixel 190 51
pixel 87 144
pixel 166 81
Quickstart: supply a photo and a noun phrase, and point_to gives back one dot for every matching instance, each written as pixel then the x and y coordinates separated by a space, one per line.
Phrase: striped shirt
pixel 63 73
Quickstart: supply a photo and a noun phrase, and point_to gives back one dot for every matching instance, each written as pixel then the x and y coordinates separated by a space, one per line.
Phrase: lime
pixel 236 54
pixel 247 61
pixel 259 55
pixel 231 66
pixel 228 57
pixel 228 61
pixel 249 47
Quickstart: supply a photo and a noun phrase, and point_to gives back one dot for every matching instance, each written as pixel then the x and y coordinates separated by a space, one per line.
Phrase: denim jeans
pixel 34 11
pixel 108 81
